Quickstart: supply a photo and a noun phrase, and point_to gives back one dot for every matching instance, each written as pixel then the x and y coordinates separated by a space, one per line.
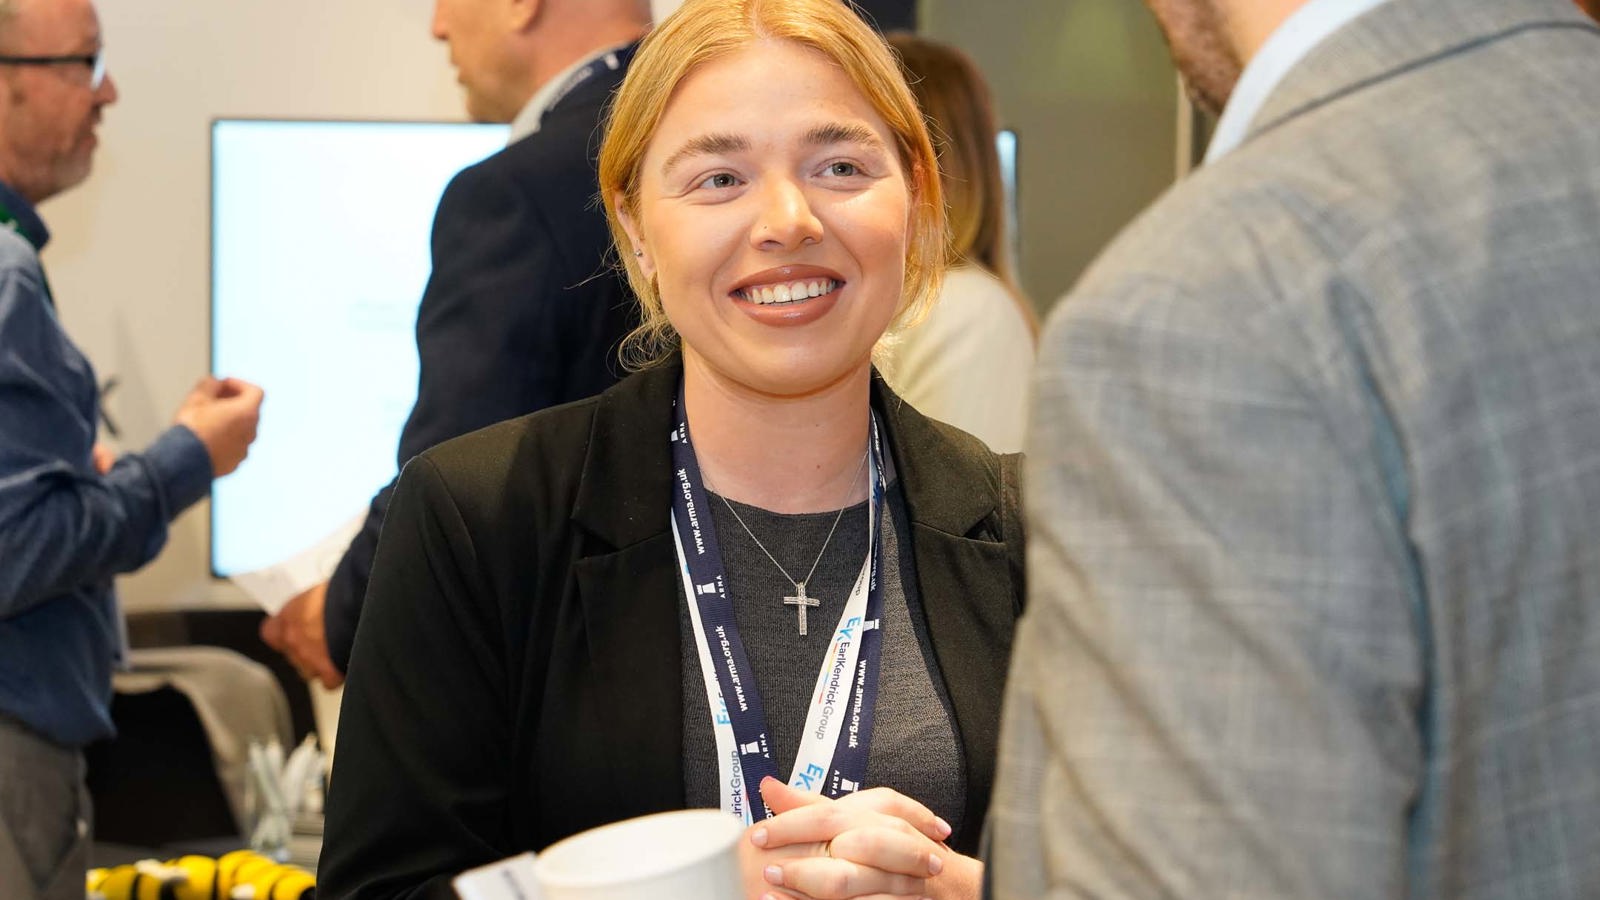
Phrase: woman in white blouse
pixel 968 361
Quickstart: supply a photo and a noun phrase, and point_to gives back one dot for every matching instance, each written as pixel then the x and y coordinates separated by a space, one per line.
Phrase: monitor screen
pixel 319 255
pixel 1006 145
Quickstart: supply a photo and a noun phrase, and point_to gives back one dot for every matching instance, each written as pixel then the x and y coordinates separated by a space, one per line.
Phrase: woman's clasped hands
pixel 876 844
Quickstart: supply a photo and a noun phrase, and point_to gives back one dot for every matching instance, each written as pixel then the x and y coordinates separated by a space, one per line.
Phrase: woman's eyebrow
pixel 706 145
pixel 841 133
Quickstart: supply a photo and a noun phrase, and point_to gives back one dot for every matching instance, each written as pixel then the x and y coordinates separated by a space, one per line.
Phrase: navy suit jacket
pixel 523 309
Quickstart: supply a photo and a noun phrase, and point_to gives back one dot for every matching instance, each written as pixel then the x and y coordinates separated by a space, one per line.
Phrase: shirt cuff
pixel 182 468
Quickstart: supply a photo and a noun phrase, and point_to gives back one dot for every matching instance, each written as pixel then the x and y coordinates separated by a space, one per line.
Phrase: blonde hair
pixel 704 30
pixel 956 100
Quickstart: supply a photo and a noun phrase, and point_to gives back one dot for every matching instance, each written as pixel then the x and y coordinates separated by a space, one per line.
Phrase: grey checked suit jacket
pixel 1314 497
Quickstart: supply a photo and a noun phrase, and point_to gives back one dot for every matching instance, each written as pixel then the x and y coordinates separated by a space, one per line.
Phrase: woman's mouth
pixel 788 291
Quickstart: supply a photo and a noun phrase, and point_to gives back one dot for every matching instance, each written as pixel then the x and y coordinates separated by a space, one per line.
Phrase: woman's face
pixel 773 214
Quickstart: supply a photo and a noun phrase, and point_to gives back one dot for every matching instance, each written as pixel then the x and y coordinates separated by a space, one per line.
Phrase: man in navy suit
pixel 522 310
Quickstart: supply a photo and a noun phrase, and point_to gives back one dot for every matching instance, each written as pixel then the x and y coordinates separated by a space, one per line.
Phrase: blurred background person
pixel 521 310
pixel 72 515
pixel 1314 481
pixel 537 653
pixel 968 361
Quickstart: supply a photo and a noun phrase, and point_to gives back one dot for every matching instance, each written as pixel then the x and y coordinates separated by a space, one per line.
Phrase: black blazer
pixel 516 678
pixel 521 311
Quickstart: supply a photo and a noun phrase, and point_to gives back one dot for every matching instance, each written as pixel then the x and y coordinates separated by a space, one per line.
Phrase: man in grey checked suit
pixel 1314 481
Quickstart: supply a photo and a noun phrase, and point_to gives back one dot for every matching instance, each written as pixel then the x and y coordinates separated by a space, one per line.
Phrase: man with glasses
pixel 71 516
pixel 96 62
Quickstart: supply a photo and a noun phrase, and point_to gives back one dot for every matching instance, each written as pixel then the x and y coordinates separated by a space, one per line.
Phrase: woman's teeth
pixel 790 292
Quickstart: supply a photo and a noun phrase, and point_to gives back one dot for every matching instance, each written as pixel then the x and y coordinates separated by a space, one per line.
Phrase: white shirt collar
pixel 1294 40
pixel 527 121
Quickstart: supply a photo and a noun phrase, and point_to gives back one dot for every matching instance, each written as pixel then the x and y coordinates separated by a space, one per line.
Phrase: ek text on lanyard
pixel 832 758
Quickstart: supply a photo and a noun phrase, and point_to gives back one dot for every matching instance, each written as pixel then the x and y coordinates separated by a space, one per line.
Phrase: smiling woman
pixel 746 199
pixel 886 119
pixel 747 566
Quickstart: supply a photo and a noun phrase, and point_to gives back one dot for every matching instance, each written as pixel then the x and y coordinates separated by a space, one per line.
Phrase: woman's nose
pixel 786 220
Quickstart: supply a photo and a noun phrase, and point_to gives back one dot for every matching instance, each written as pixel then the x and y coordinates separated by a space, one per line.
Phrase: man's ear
pixel 523 14
pixel 636 246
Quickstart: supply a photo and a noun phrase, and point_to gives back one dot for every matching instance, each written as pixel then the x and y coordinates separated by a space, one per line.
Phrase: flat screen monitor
pixel 1006 146
pixel 319 255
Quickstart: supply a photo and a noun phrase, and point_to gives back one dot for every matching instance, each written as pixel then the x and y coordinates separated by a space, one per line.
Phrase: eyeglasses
pixel 96 62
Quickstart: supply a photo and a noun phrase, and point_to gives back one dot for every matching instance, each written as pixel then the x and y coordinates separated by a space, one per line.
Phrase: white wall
pixel 129 258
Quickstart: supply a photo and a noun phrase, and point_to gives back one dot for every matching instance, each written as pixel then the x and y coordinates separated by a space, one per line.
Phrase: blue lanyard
pixel 740 704
pixel 609 62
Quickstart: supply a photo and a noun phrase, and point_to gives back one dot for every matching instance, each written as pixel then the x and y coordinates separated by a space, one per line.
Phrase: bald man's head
pixel 505 50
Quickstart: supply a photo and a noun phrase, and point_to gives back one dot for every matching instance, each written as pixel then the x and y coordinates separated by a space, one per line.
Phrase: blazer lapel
pixel 627 588
pixel 964 578
pixel 632 626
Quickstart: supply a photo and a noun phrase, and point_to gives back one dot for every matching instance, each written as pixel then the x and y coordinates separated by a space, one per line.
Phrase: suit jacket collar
pixel 561 90
pixel 942 498
pixel 626 488
pixel 1396 37
pixel 625 491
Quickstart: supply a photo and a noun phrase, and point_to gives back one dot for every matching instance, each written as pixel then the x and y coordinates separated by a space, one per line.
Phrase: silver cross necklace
pixel 799 600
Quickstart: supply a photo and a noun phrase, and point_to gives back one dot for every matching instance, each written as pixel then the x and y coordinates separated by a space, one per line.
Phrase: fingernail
pixel 944 827
pixel 774 875
pixel 759 837
pixel 935 864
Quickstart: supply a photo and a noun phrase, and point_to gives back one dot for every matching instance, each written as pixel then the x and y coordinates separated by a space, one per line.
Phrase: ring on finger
pixel 827 849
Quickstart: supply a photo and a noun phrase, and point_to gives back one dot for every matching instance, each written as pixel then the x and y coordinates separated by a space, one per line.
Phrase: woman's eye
pixel 720 180
pixel 843 169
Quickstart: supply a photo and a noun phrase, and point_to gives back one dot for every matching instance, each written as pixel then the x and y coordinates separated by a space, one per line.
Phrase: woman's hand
pixel 875 843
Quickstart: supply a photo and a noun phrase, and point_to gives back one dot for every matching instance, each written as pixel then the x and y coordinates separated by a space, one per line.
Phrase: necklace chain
pixel 740 519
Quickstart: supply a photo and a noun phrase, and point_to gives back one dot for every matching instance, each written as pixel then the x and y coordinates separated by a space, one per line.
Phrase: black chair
pixel 154 783
pixel 177 770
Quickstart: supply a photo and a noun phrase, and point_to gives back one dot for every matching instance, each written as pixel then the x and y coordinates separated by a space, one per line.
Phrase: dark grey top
pixel 913 747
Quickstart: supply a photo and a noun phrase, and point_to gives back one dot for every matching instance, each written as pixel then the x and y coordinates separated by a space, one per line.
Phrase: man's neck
pixel 1251 22
pixel 557 51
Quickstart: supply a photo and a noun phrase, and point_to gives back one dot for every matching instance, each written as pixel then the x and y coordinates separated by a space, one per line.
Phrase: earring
pixel 638 252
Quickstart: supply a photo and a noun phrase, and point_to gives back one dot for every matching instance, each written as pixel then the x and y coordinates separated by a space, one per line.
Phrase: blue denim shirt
pixel 65 530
